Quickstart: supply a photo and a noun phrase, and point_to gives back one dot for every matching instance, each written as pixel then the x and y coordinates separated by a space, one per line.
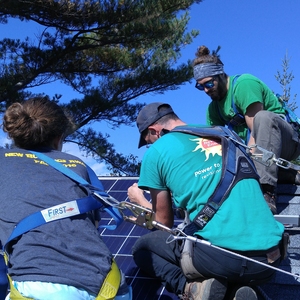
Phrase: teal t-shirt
pixel 190 167
pixel 246 90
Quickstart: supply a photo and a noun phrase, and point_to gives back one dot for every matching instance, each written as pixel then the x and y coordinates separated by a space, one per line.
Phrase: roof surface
pixel 282 286
pixel 121 240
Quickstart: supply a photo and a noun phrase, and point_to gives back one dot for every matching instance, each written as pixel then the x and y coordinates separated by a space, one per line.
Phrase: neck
pixel 227 82
pixel 173 123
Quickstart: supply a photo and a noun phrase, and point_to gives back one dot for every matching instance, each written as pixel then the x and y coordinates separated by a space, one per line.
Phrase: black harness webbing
pixel 236 166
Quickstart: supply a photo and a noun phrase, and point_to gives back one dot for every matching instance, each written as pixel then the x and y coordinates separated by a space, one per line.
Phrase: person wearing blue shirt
pixel 65 258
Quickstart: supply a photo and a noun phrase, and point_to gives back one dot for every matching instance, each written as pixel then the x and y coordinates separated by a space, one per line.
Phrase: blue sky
pixel 254 37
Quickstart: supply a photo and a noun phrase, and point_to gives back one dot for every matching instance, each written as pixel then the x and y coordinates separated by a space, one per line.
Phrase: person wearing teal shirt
pixel 185 169
pixel 245 104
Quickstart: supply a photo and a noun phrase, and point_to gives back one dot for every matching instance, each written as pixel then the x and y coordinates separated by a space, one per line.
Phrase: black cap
pixel 149 115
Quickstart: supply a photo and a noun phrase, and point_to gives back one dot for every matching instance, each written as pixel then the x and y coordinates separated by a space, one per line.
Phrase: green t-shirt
pixel 190 167
pixel 247 90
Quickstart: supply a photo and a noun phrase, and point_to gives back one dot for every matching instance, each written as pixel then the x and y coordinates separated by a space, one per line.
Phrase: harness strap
pixel 238 119
pixel 236 165
pixel 67 209
pixel 112 211
pixel 108 290
pixel 290 115
pixel 61 211
pixel 112 281
pixel 14 293
pixel 111 284
pixel 186 261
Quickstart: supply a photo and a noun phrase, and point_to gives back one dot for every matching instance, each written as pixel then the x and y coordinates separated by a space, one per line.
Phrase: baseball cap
pixel 148 115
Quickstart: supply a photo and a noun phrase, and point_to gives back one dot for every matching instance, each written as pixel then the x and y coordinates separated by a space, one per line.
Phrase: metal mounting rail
pixel 290 222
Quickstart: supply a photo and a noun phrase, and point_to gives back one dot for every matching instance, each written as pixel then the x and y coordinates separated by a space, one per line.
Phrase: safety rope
pixel 266 157
pixel 177 234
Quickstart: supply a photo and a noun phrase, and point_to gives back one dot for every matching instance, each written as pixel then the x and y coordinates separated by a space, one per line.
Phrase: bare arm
pixel 251 111
pixel 162 205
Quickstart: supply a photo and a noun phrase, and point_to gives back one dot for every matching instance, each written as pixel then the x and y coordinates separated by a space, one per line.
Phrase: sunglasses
pixel 209 84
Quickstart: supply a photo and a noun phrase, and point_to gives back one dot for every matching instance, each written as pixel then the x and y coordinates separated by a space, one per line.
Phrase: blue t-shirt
pixel 68 251
pixel 190 168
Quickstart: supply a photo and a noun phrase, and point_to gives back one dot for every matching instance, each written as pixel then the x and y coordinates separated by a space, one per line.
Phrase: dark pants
pixel 3 279
pixel 162 261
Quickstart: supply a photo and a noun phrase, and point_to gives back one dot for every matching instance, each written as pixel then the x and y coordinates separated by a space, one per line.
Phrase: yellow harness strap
pixel 14 293
pixel 111 284
pixel 108 289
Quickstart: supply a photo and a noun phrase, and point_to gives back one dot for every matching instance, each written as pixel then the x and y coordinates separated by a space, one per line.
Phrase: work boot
pixel 288 176
pixel 209 289
pixel 270 196
pixel 245 293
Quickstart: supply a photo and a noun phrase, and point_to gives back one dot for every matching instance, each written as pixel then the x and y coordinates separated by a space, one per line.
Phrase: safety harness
pixel 96 199
pixel 239 119
pixel 291 117
pixel 236 165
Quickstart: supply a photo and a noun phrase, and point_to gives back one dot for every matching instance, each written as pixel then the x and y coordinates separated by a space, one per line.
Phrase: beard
pixel 218 92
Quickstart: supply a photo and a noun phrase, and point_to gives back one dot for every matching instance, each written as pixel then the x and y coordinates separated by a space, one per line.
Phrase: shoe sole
pixel 213 289
pixel 245 293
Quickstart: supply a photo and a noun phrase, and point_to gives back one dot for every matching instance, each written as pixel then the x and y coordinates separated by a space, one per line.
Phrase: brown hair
pixel 203 56
pixel 36 122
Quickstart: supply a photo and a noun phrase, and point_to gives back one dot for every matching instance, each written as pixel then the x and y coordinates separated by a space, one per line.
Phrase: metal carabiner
pixel 261 155
pixel 283 163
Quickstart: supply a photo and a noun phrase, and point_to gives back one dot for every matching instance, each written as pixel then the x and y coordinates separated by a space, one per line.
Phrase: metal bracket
pixel 142 216
pixel 261 155
pixel 267 158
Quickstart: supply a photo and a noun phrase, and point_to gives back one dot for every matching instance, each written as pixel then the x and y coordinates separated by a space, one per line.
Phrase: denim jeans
pixel 161 260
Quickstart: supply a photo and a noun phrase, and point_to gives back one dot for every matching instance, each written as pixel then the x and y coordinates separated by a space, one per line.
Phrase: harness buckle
pixel 105 198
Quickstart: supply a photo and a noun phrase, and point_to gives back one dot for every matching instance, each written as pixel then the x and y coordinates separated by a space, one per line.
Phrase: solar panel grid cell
pixel 121 240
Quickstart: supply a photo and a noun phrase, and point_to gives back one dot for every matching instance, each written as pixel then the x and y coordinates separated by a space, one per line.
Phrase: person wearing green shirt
pixel 246 105
pixel 184 170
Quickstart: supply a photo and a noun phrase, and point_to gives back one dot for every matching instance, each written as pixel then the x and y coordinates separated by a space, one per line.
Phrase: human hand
pixel 135 194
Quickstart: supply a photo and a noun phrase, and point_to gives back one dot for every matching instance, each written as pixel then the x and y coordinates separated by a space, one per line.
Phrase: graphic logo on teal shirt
pixel 208 146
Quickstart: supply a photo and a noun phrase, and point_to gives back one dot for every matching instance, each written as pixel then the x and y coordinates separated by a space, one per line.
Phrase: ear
pixel 155 129
pixel 152 130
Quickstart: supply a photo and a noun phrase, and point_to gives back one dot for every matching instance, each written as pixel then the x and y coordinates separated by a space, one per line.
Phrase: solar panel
pixel 121 240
